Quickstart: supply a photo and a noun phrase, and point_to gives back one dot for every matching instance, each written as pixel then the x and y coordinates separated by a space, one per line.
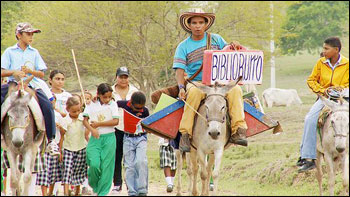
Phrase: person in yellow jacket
pixel 332 70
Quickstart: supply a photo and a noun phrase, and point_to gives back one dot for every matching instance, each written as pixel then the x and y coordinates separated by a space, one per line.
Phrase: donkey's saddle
pixel 34 108
pixel 326 111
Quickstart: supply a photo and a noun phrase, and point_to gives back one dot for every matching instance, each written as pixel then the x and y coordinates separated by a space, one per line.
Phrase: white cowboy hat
pixel 187 15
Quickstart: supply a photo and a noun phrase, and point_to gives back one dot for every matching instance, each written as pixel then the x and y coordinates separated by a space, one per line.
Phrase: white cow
pixel 280 97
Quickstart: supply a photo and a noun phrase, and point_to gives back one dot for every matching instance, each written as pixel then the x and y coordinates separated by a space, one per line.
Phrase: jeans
pixel 117 179
pixel 308 143
pixel 46 108
pixel 135 162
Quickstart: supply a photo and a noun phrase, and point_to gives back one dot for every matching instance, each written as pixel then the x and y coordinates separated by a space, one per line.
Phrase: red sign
pixel 224 66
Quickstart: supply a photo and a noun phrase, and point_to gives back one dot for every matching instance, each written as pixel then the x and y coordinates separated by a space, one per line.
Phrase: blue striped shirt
pixel 189 53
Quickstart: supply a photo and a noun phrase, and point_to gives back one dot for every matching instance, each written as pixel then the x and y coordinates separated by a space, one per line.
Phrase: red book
pixel 132 123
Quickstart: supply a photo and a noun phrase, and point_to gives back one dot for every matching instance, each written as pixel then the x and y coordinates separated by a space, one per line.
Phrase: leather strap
pixel 201 68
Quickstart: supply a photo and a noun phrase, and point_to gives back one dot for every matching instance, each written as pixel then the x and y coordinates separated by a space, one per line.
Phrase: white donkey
pixel 334 145
pixel 21 136
pixel 210 136
pixel 180 156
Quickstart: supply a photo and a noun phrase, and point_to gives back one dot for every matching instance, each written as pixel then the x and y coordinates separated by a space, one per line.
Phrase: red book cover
pixel 132 123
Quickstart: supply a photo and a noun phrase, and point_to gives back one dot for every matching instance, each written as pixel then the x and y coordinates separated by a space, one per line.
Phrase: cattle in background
pixel 280 97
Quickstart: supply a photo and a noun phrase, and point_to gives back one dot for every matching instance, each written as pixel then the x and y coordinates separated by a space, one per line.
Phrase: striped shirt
pixel 189 53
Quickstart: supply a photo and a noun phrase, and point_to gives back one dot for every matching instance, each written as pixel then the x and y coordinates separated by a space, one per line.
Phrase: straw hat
pixel 198 12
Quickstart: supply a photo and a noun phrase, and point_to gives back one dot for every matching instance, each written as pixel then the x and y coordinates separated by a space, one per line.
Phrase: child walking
pixel 56 80
pixel 103 116
pixel 135 144
pixel 52 173
pixel 88 100
pixel 167 162
pixel 74 147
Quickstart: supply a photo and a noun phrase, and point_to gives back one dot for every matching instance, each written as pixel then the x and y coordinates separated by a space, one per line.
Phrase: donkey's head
pixel 216 107
pixel 19 118
pixel 339 122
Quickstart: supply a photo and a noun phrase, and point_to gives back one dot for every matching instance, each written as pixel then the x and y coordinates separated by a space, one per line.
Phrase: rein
pixel 21 127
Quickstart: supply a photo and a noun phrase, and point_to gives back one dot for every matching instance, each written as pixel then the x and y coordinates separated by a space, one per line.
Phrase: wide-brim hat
pixel 187 15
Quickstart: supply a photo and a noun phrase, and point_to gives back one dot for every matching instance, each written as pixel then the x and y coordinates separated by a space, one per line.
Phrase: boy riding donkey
pixel 14 65
pixel 188 59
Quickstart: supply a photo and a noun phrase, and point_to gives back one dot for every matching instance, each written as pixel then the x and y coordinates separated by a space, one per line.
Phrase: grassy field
pixel 267 166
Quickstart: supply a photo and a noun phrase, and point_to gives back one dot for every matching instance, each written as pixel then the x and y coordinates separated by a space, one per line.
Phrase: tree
pixel 141 35
pixel 249 23
pixel 309 23
pixel 11 13
pixel 105 35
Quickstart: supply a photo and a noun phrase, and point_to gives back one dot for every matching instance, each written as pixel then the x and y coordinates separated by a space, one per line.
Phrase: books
pixel 132 123
pixel 164 102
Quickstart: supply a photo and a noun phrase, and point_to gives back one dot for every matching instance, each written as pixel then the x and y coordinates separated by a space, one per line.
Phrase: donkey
pixel 334 144
pixel 21 137
pixel 210 136
pixel 180 156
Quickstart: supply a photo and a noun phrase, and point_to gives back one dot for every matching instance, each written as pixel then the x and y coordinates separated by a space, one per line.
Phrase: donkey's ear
pixel 205 89
pixel 232 84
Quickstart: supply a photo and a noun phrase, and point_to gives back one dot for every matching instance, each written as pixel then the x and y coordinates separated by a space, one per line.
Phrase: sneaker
pixel 142 194
pixel 117 188
pixel 86 191
pixel 300 162
pixel 169 188
pixel 308 165
pixel 211 187
pixel 239 137
pixel 53 149
pixel 185 144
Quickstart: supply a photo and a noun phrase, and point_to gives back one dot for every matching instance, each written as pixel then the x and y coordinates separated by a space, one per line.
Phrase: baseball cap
pixel 26 27
pixel 122 71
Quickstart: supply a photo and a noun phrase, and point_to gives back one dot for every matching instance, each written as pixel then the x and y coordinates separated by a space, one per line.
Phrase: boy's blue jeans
pixel 135 162
pixel 46 108
pixel 308 143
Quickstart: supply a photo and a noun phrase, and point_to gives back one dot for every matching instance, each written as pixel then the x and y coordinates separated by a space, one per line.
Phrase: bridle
pixel 337 134
pixel 209 119
pixel 21 127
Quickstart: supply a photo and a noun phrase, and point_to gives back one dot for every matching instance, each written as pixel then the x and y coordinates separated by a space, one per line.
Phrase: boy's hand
pixel 26 70
pixel 182 94
pixel 18 75
pixel 95 133
pixel 234 45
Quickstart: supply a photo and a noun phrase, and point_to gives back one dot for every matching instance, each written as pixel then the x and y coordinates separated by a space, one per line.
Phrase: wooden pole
pixel 81 86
